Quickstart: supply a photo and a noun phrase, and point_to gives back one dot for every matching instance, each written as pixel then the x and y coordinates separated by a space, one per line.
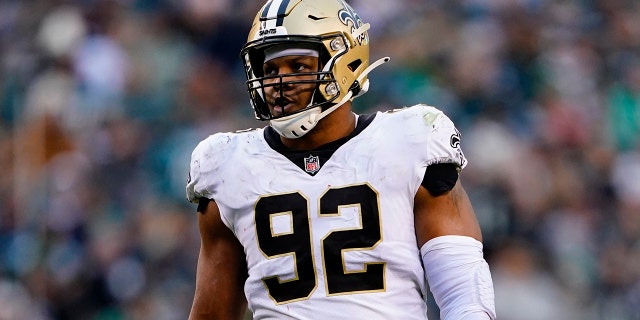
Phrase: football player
pixel 327 214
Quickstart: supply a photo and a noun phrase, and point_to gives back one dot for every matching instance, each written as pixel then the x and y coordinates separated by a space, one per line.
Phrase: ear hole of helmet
pixel 354 64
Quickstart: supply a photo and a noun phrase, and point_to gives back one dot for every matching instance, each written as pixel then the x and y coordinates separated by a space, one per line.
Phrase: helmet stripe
pixel 275 9
pixel 281 11
pixel 265 12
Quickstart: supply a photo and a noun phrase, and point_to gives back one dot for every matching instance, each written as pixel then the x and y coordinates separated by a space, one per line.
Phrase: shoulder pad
pixel 443 144
pixel 208 157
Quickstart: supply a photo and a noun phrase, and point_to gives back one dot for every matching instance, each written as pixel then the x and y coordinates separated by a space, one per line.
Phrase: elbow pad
pixel 459 278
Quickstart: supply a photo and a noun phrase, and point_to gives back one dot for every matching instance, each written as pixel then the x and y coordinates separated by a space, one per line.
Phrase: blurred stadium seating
pixel 102 101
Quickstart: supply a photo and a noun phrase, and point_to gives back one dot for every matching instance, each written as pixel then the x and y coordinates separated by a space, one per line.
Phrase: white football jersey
pixel 329 233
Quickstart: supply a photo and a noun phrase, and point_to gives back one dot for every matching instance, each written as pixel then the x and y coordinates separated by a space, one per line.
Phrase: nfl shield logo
pixel 311 164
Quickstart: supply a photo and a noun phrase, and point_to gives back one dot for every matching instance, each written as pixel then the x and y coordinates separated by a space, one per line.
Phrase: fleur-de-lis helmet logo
pixel 349 17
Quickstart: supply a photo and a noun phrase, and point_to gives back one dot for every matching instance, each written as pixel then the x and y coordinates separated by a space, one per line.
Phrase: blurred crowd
pixel 102 102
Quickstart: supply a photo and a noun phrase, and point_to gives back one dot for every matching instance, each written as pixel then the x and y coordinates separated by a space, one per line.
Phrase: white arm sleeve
pixel 459 278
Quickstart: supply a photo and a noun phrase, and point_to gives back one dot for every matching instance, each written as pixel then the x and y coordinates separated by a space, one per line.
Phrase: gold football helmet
pixel 330 27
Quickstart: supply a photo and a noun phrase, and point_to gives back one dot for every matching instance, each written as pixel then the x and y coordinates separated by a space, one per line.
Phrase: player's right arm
pixel 447 229
pixel 221 270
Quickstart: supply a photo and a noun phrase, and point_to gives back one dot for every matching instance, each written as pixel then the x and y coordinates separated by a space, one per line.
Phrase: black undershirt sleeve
pixel 202 204
pixel 440 178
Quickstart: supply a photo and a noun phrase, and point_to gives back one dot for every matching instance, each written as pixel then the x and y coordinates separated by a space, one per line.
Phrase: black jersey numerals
pixel 296 241
pixel 337 242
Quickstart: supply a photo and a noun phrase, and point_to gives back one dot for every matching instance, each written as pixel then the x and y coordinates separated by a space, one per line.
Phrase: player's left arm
pixel 449 213
pixel 449 239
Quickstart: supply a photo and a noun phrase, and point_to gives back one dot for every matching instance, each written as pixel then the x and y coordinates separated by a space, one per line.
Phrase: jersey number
pixel 298 242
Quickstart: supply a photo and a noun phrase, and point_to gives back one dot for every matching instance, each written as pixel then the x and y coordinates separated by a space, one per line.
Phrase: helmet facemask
pixel 325 91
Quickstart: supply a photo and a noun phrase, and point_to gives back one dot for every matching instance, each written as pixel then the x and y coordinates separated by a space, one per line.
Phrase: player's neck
pixel 338 124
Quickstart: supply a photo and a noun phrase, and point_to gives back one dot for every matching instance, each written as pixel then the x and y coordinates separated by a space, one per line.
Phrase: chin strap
pixel 298 124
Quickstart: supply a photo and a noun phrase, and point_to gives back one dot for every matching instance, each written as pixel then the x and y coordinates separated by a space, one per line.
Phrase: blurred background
pixel 102 102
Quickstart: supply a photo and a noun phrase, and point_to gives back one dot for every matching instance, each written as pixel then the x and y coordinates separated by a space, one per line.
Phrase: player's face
pixel 282 96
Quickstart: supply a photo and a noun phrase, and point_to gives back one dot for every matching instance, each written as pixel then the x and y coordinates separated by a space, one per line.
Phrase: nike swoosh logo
pixel 316 18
